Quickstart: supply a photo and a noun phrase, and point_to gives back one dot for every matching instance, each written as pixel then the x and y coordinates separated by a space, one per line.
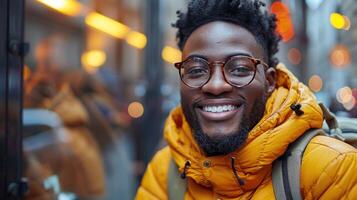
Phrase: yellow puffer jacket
pixel 328 171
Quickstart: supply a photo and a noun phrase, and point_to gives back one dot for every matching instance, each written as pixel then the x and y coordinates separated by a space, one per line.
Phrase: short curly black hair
pixel 245 13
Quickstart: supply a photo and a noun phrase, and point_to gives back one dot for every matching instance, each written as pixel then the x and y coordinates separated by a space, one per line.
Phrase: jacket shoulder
pixel 154 182
pixel 328 169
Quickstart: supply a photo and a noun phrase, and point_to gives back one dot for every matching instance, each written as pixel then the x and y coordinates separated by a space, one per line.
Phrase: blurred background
pixel 99 82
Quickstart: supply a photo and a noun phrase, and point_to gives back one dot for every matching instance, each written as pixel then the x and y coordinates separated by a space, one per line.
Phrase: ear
pixel 270 78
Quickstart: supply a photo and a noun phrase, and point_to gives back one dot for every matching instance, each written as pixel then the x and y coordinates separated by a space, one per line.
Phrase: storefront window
pixel 78 77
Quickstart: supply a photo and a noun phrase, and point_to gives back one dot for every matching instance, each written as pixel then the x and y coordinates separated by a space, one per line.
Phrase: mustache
pixel 239 100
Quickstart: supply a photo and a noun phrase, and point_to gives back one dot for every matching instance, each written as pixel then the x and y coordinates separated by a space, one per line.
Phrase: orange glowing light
pixel 107 25
pixel 171 55
pixel 27 72
pixel 285 25
pixel 136 39
pixel 340 56
pixel 294 56
pixel 67 7
pixel 315 83
pixel 94 58
pixel 135 109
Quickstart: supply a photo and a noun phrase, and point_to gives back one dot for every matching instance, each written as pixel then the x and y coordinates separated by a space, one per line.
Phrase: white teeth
pixel 217 109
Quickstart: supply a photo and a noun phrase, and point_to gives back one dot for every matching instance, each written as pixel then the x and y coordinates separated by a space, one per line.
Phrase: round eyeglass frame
pixel 255 61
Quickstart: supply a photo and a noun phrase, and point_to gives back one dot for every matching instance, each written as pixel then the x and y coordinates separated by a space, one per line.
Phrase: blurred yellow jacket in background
pixel 328 170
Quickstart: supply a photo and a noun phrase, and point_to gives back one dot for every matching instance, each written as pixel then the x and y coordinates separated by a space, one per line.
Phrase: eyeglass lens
pixel 238 71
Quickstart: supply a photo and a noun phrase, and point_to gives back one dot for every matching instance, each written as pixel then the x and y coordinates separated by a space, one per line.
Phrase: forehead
pixel 218 40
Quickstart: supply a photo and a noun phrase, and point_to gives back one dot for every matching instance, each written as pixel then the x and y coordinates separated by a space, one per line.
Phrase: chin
pixel 216 144
pixel 211 132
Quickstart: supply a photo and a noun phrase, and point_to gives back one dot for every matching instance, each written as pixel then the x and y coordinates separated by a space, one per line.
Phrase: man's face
pixel 220 133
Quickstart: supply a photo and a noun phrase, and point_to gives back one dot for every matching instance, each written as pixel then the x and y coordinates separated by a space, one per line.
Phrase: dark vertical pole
pixel 151 130
pixel 304 42
pixel 299 12
pixel 17 49
pixel 11 63
pixel 3 94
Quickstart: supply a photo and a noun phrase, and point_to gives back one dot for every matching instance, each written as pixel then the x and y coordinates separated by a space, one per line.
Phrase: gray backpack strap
pixel 286 169
pixel 176 186
pixel 332 123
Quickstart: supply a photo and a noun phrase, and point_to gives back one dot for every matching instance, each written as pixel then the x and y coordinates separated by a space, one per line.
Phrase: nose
pixel 217 83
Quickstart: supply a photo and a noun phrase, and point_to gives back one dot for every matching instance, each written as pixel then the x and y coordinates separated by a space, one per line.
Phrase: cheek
pixel 255 90
pixel 186 95
pixel 260 82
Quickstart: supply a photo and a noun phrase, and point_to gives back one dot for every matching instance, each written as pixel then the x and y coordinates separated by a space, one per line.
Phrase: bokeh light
pixel 93 59
pixel 136 39
pixel 67 7
pixel 340 56
pixel 27 72
pixel 107 25
pixel 135 109
pixel 285 25
pixel 344 95
pixel 315 83
pixel 171 55
pixel 294 56
pixel 340 21
pixel 337 20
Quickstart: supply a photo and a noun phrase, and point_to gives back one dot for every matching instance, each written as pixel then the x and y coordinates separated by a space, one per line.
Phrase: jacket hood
pixel 268 140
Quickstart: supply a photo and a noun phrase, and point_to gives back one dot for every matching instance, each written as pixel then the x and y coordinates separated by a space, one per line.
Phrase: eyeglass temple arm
pixel 257 62
pixel 178 65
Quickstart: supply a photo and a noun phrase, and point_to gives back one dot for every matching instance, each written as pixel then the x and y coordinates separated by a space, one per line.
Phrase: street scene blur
pixel 99 82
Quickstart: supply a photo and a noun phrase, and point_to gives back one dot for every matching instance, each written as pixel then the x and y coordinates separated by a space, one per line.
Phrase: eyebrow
pixel 227 57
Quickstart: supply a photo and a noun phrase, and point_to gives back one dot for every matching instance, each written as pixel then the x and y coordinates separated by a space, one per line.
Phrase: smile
pixel 219 109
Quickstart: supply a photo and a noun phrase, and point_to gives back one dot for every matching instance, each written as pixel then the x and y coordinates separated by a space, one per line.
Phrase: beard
pixel 225 144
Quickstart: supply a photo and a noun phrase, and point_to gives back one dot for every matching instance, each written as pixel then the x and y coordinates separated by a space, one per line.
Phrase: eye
pixel 239 70
pixel 195 68
pixel 197 71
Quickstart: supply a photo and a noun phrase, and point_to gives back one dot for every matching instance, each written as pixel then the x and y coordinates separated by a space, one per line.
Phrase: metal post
pixel 3 94
pixel 12 50
pixel 303 41
pixel 150 131
pixel 298 13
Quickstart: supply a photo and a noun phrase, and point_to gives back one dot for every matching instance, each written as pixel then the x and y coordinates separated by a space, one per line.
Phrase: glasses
pixel 238 71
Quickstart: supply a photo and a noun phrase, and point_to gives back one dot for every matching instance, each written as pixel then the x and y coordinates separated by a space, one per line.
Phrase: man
pixel 239 112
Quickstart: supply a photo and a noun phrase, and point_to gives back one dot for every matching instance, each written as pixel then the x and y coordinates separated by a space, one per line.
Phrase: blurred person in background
pixel 240 109
pixel 109 125
pixel 77 161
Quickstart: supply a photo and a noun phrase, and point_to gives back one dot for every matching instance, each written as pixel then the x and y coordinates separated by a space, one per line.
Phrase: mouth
pixel 218 110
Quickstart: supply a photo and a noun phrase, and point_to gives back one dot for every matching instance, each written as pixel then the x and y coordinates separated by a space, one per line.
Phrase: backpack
pixel 286 169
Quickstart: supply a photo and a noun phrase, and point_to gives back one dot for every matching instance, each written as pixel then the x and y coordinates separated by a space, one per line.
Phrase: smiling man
pixel 225 85
pixel 239 111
